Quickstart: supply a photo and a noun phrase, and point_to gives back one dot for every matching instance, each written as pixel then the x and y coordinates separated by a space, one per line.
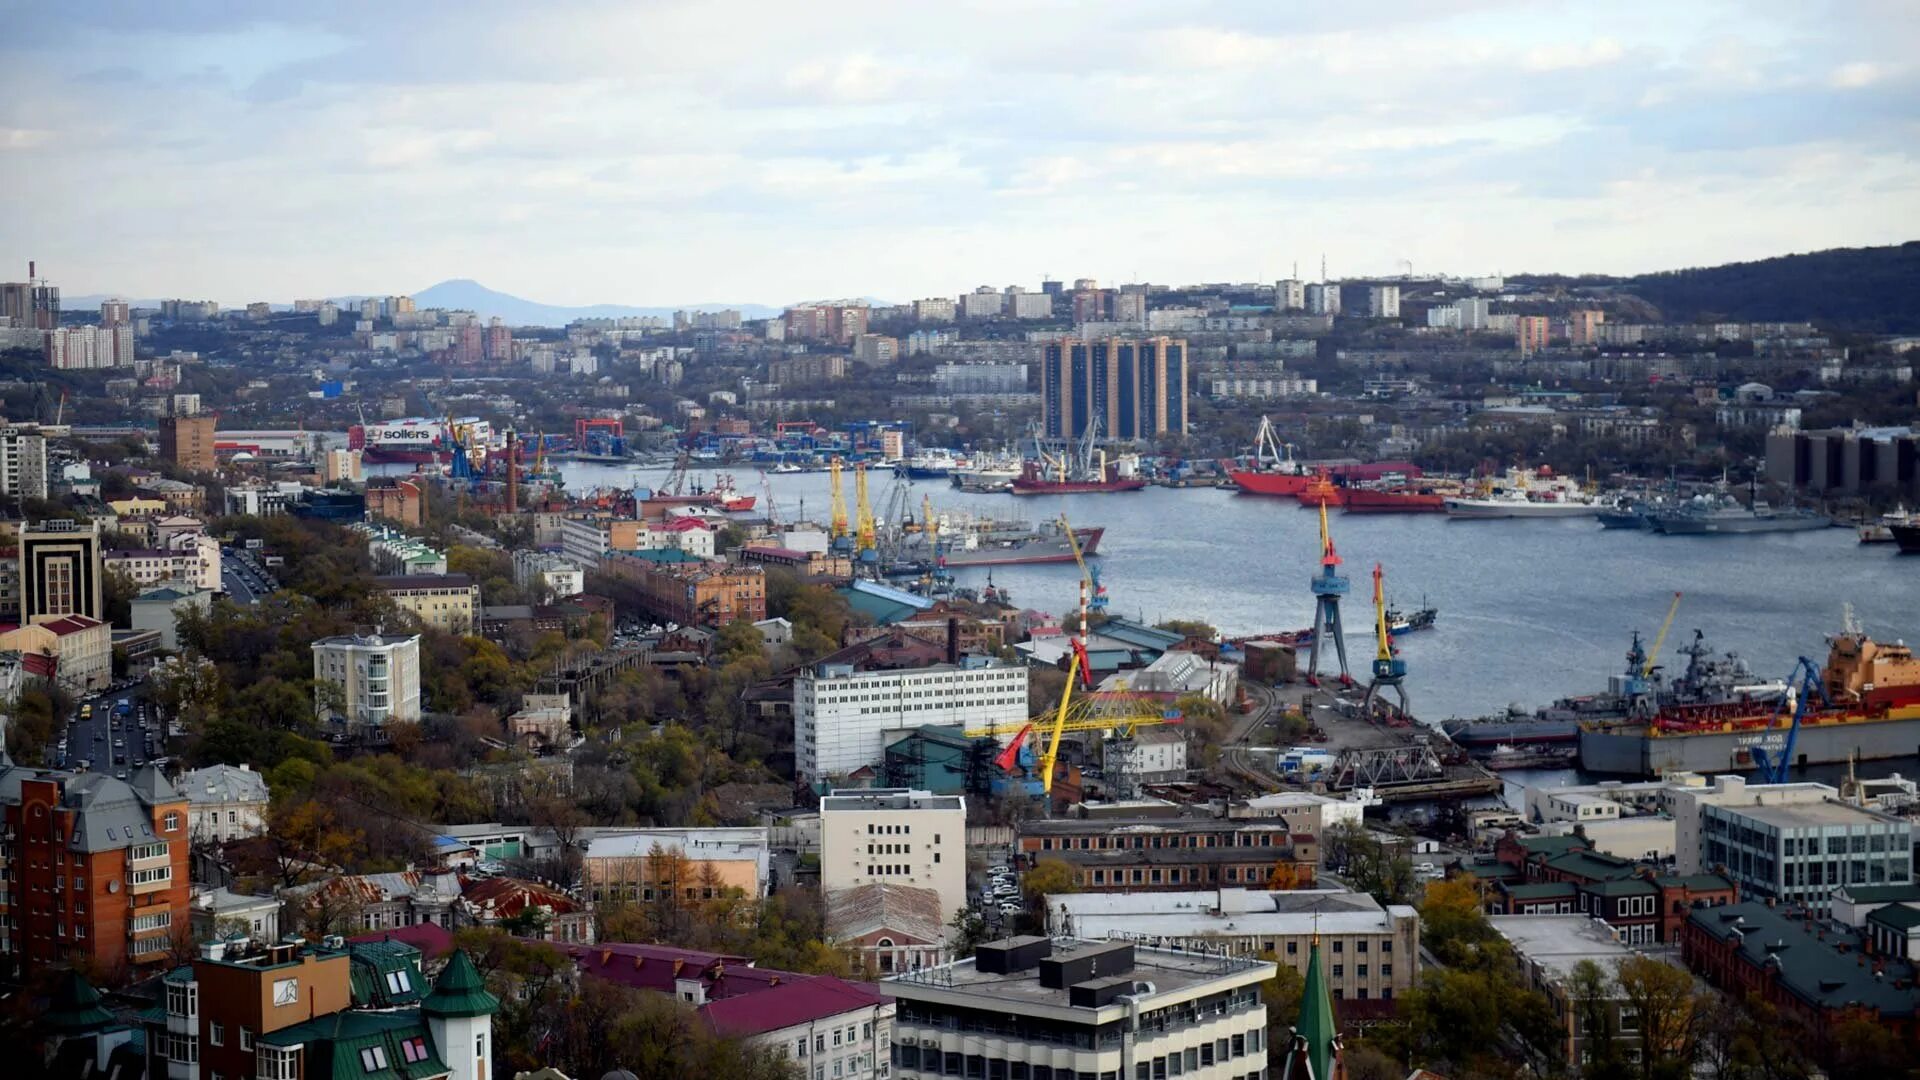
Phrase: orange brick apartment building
pixel 96 870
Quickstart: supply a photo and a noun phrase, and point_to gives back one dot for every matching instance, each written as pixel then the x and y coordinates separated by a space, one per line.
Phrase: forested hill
pixel 1866 290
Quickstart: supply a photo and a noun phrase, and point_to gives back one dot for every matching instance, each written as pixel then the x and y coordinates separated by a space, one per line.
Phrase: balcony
pixel 144 882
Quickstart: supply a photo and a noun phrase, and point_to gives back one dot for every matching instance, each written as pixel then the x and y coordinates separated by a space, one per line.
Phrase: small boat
pixel 1881 531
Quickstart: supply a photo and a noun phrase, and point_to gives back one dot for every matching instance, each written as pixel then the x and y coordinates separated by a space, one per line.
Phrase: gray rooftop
pixel 1170 971
pixel 858 799
pixel 1811 815
pixel 1806 953
pixel 223 784
pixel 1556 943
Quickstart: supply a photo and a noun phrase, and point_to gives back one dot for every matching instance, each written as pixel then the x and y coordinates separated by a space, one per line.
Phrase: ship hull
pixel 1032 551
pixel 1491 509
pixel 1623 519
pixel 1365 501
pixel 1630 752
pixel 1264 483
pixel 1686 526
pixel 1908 537
pixel 1075 487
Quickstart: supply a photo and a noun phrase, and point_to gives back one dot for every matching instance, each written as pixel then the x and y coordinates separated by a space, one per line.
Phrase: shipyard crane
pixel 1093 595
pixel 676 480
pixel 1803 685
pixel 461 465
pixel 1653 657
pixel 1328 587
pixel 1389 671
pixel 866 532
pixel 839 518
pixel 1120 712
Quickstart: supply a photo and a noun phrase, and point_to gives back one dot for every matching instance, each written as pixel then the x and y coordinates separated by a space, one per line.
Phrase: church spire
pixel 1314 1051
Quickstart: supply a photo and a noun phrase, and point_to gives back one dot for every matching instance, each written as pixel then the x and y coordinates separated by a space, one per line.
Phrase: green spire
pixel 459 991
pixel 76 1007
pixel 1316 1027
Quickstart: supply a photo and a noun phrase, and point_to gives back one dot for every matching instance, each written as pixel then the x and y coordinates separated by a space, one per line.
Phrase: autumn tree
pixel 1368 864
pixel 308 841
pixel 1668 1013
pixel 1049 876
pixel 1193 628
pixel 1452 924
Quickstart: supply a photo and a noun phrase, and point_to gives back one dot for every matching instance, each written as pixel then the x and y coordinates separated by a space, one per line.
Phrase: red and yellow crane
pixel 1120 712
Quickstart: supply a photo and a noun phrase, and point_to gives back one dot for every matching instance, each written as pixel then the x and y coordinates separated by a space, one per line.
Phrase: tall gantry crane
pixel 1093 595
pixel 867 532
pixel 839 519
pixel 1328 587
pixel 1389 671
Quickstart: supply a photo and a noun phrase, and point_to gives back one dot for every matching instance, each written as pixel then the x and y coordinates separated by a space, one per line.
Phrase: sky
pixel 663 153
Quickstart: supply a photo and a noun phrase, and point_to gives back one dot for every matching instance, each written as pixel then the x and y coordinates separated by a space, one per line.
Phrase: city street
pixel 243 576
pixel 115 745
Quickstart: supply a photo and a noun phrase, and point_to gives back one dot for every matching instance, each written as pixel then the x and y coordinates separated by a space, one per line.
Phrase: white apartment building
pixel 1031 305
pixel 842 718
pixel 1306 812
pixel 1369 952
pixel 1383 301
pixel 895 836
pixel 984 302
pixel 23 462
pixel 1262 387
pixel 1323 299
pixel 1289 295
pixel 1072 1008
pixel 934 309
pixel 556 574
pixel 585 540
pixel 366 680
pixel 190 558
pixel 224 803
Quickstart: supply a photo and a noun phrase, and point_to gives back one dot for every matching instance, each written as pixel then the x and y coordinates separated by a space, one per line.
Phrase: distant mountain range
pixel 463 294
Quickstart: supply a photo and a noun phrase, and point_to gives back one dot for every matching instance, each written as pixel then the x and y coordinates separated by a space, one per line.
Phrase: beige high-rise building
pixel 1530 333
pixel 187 441
pixel 1136 387
pixel 1583 327
pixel 895 836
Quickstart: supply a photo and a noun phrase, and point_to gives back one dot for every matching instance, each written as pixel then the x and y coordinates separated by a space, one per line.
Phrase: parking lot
pixel 993 890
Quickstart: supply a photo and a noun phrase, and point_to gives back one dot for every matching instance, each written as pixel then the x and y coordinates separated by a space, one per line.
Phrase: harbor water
pixel 1530 609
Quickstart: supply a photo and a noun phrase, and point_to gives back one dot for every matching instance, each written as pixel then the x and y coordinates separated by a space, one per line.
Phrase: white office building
pixel 1067 1009
pixel 366 680
pixel 1799 854
pixel 843 718
pixel 895 836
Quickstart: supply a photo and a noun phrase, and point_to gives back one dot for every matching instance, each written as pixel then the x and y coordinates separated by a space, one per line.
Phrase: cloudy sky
pixel 661 153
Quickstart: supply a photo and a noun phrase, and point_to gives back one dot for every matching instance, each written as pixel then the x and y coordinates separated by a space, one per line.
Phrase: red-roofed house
pixel 528 909
pixel 83 649
pixel 829 1027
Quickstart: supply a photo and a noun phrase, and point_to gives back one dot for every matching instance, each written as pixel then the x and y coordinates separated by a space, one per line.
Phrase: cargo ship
pixel 1908 537
pixel 1872 710
pixel 1276 473
pixel 1002 544
pixel 1046 478
pixel 1321 491
pixel 418 440
pixel 1364 499
pixel 1525 493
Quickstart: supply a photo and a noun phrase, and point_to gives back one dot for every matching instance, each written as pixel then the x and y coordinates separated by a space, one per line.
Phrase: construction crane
pixel 1389 671
pixel 1653 657
pixel 839 519
pixel 676 480
pixel 1802 686
pixel 1119 712
pixel 1093 595
pixel 1328 587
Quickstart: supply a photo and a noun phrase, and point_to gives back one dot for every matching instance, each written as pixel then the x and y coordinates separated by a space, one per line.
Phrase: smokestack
pixel 953 640
pixel 513 474
pixel 29 271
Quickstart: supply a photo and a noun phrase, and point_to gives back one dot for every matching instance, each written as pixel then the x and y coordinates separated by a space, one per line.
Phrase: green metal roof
pixel 1552 845
pixel 1882 894
pixel 1544 890
pixel 76 1007
pixel 370 967
pixel 1696 882
pixel 334 1044
pixel 1591 865
pixel 459 991
pixel 1620 887
pixel 1316 1026
pixel 1808 961
pixel 1896 917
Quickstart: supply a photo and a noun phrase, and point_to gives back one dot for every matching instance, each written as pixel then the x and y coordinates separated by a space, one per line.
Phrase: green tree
pixel 1667 1011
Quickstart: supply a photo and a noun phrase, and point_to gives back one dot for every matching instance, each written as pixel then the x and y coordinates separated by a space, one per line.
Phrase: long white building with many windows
pixel 842 717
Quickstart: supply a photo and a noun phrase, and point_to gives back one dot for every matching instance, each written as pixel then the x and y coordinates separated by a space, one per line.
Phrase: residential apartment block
pixel 60 571
pixel 449 602
pixel 1133 389
pixel 894 836
pixel 96 870
pixel 367 680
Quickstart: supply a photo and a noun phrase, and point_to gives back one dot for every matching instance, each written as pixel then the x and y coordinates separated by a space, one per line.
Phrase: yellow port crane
pixel 1120 712
pixel 1653 655
pixel 1093 595
pixel 839 499
pixel 869 533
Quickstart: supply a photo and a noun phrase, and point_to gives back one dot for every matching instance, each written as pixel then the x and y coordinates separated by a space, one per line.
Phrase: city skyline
pixel 663 156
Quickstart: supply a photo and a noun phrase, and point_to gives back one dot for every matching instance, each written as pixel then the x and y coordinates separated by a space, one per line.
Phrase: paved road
pixel 243 577
pixel 92 739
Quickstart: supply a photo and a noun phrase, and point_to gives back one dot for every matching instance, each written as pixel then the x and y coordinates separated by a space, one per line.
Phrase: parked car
pixel 1011 909
pixel 1000 871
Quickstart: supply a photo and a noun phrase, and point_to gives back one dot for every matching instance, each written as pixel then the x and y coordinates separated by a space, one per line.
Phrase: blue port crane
pixel 1329 585
pixel 1802 686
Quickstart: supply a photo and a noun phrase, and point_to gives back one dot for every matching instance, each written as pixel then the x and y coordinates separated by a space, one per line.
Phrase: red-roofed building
pixel 829 1027
pixel 83 651
pixel 528 909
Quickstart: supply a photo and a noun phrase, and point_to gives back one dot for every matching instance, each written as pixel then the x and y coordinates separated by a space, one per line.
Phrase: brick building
pixel 187 441
pixel 1150 854
pixel 395 499
pixel 677 587
pixel 97 870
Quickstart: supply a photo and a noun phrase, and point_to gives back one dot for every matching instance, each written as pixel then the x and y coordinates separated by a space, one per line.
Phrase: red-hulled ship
pixel 1399 500
pixel 1035 479
pixel 1321 491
